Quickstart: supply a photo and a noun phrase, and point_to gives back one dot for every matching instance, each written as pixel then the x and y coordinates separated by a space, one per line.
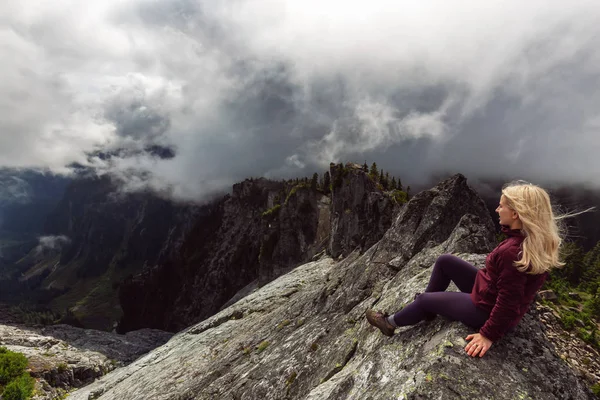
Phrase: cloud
pixel 14 189
pixel 51 243
pixel 136 115
pixel 281 88
pixel 374 126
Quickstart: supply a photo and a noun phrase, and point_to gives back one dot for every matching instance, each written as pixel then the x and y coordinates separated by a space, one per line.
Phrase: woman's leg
pixel 435 300
pixel 451 268
pixel 453 305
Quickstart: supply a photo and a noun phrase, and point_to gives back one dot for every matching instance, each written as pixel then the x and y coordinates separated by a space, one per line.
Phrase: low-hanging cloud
pixel 51 243
pixel 281 88
pixel 14 189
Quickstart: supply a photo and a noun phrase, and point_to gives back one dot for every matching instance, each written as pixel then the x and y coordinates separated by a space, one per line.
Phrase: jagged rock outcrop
pixel 218 257
pixel 361 212
pixel 294 232
pixel 222 253
pixel 250 238
pixel 63 357
pixel 304 336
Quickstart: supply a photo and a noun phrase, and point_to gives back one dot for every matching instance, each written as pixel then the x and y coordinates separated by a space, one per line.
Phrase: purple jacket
pixel 502 290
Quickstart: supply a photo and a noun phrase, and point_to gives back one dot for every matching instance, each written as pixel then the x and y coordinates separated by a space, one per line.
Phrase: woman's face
pixel 507 216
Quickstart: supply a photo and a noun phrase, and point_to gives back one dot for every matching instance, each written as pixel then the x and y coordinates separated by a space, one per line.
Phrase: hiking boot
pixel 379 320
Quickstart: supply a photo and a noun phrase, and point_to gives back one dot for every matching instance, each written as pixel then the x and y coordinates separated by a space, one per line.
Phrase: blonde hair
pixel 544 232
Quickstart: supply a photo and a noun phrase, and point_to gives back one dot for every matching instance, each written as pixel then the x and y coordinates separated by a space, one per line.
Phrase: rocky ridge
pixel 303 336
pixel 361 212
pixel 246 240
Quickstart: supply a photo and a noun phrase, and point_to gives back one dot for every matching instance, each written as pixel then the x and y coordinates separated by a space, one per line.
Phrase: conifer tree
pixel 393 184
pixel 326 182
pixel 400 185
pixel 314 181
pixel 591 274
pixel 374 173
pixel 573 257
pixel 365 167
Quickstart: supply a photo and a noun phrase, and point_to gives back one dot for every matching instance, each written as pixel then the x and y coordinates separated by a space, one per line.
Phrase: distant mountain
pixel 26 198
pixel 92 239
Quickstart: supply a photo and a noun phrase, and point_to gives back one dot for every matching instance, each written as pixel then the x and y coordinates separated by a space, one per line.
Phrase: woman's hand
pixel 479 345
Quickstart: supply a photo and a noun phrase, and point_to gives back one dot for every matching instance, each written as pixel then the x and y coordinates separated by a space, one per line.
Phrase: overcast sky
pixel 281 88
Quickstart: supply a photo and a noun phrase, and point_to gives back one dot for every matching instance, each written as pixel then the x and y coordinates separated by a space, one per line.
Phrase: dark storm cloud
pixel 281 88
pixel 136 117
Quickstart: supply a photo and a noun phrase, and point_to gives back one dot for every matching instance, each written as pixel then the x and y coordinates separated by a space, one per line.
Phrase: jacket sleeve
pixel 511 291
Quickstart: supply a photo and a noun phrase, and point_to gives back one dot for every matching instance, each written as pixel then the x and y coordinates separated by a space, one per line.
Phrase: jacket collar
pixel 512 232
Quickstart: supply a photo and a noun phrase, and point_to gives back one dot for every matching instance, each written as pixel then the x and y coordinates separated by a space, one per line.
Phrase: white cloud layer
pixel 279 87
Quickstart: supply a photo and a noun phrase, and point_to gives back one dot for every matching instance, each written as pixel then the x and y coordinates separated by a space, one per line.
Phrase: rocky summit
pixel 304 335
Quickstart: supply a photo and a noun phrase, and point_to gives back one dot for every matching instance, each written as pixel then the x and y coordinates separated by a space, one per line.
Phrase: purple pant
pixel 452 305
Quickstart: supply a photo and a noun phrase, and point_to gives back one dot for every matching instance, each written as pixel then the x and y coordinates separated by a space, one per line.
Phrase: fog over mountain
pixel 280 88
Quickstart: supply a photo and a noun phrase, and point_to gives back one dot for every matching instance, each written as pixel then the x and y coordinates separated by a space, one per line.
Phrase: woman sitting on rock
pixel 495 298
